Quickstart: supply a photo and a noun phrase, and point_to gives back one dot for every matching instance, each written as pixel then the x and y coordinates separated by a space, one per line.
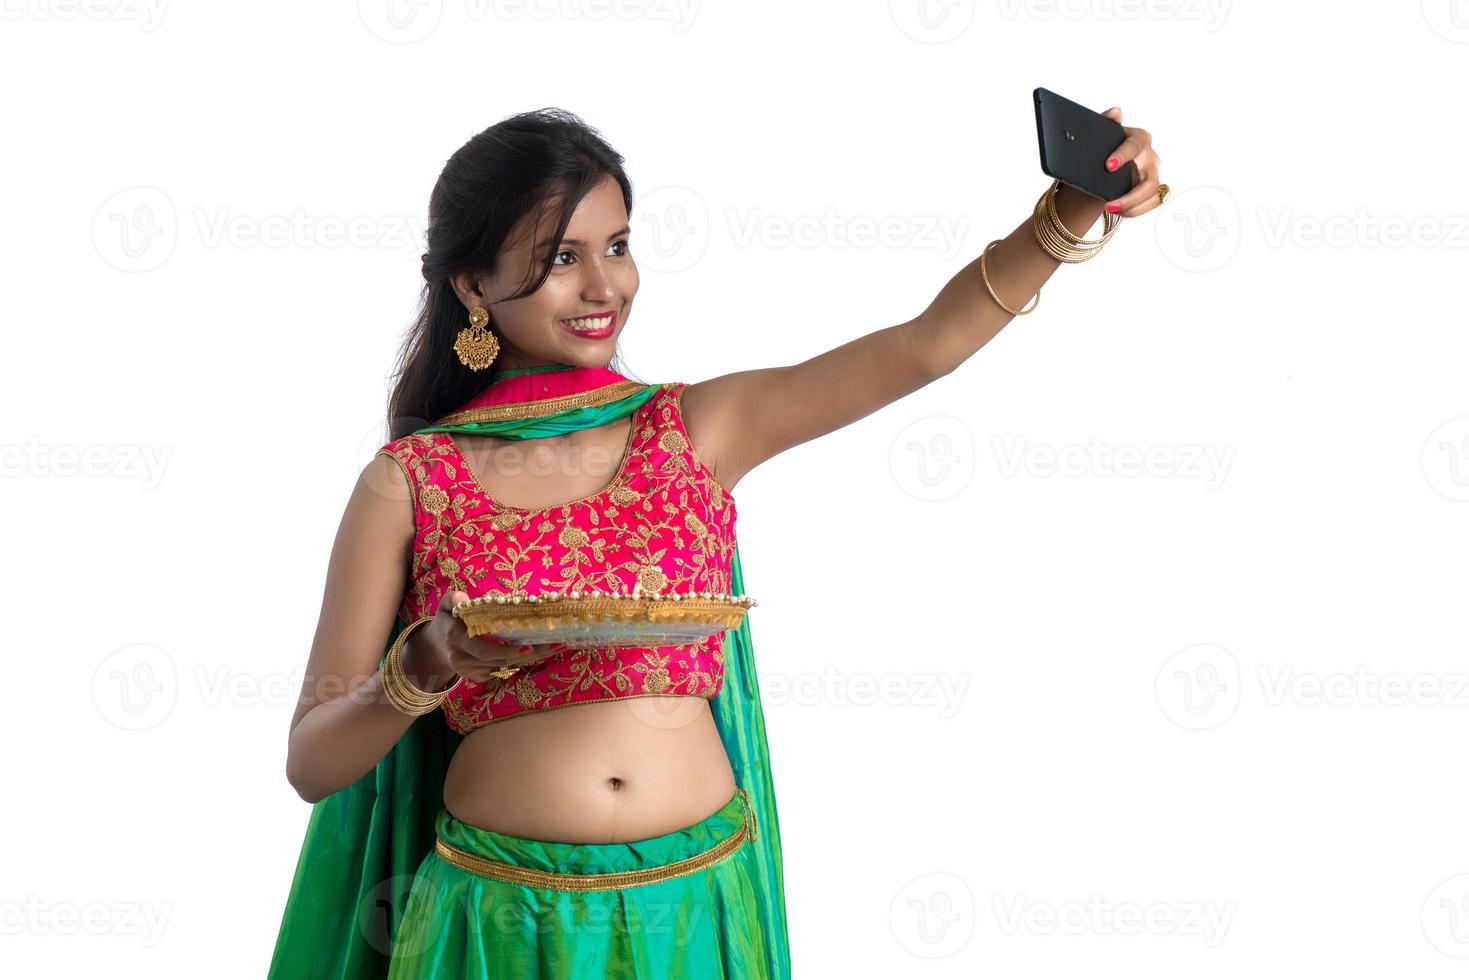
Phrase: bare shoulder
pixel 384 479
pixel 380 520
pixel 708 420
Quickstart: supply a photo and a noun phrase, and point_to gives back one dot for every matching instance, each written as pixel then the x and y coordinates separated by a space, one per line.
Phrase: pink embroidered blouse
pixel 663 522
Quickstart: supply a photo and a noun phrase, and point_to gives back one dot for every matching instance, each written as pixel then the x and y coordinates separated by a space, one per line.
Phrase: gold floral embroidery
pixel 651 579
pixel 434 499
pixel 527 693
pixel 664 524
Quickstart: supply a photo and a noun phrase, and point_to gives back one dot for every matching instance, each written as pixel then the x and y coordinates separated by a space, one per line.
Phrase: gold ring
pixel 1162 193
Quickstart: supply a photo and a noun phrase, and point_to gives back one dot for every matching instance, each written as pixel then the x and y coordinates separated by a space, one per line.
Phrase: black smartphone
pixel 1075 144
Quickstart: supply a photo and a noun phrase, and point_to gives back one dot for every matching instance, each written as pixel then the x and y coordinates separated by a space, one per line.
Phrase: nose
pixel 597 284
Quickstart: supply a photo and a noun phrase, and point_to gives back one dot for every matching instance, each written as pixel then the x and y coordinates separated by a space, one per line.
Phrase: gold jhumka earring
pixel 475 345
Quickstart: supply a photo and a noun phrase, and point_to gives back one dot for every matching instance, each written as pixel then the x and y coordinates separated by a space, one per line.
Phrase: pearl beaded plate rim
pixel 581 620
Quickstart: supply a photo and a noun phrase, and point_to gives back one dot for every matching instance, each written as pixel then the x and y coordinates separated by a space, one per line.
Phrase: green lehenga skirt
pixel 488 905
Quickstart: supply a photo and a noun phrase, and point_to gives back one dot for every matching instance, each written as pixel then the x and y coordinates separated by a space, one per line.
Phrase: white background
pixel 1205 718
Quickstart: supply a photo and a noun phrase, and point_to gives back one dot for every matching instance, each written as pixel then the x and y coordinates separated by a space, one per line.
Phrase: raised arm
pixel 739 420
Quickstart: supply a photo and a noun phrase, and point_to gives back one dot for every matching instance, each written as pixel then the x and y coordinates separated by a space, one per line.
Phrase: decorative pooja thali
pixel 594 619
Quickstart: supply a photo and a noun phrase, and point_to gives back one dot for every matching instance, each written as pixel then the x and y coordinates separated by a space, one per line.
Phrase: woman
pixel 602 813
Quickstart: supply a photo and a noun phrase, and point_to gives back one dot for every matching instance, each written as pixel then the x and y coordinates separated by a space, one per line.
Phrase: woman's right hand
pixel 446 648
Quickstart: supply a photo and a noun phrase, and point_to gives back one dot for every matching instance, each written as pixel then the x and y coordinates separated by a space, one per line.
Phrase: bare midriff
pixel 600 772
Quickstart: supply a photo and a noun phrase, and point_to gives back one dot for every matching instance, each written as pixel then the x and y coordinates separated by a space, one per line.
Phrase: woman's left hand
pixel 1138 147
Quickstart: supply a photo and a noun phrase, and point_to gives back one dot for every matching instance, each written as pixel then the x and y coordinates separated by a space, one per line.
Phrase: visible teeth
pixel 589 323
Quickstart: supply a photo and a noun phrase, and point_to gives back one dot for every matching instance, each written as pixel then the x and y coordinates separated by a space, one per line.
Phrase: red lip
pixel 601 333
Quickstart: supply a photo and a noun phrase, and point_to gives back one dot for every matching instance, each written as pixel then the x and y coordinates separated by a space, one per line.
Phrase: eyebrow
pixel 577 241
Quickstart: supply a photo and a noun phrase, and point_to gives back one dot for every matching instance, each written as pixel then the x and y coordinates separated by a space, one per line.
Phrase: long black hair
pixel 489 184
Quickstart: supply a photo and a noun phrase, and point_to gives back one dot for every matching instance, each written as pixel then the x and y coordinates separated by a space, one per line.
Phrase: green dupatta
pixel 363 844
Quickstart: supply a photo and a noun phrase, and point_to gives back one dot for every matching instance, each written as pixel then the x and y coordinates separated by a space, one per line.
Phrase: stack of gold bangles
pixel 1056 239
pixel 400 692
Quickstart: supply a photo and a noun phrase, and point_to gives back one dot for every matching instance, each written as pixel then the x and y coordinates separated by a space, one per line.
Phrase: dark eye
pixel 621 241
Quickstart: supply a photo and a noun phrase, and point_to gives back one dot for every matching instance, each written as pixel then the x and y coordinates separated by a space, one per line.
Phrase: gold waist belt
pixel 563 881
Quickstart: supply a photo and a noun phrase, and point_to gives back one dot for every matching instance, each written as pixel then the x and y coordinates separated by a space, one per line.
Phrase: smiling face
pixel 577 314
